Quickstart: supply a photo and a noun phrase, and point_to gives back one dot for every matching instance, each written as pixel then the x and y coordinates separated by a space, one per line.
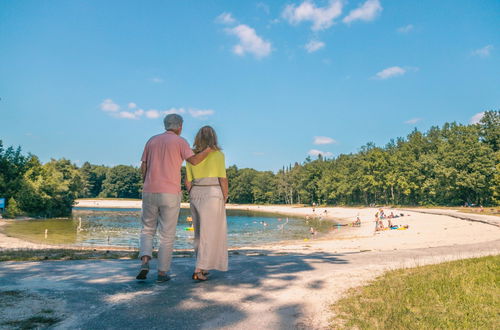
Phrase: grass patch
pixel 63 254
pixel 108 199
pixel 12 293
pixel 460 294
pixel 33 322
pixel 76 254
pixel 9 298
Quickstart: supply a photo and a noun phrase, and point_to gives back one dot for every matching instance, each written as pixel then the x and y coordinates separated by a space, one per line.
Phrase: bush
pixel 12 209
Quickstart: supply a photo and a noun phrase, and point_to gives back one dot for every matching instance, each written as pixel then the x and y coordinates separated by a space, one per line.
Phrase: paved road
pixel 262 289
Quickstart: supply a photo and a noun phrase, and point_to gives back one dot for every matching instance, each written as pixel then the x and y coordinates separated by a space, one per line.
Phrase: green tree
pixel 122 182
pixel 12 168
pixel 490 129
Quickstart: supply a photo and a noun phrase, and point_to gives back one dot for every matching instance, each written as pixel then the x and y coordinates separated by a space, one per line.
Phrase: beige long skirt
pixel 210 226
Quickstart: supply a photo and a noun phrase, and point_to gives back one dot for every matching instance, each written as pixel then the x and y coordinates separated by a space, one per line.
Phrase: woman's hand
pixel 224 186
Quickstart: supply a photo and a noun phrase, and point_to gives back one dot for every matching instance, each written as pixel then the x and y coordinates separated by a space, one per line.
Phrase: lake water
pixel 121 227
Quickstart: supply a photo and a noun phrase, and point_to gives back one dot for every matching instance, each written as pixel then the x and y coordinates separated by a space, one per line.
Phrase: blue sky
pixel 278 80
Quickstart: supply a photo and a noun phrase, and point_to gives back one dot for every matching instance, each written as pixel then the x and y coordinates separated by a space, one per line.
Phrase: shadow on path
pixel 104 294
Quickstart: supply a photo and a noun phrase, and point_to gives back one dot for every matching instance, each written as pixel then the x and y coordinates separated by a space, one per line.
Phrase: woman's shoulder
pixel 217 154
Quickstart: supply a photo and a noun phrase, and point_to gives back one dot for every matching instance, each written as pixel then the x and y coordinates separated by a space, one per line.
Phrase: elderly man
pixel 161 198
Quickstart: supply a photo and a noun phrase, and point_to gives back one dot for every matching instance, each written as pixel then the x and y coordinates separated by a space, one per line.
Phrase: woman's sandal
pixel 199 276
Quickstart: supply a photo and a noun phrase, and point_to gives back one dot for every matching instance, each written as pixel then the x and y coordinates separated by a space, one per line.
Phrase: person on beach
pixel 161 196
pixel 208 192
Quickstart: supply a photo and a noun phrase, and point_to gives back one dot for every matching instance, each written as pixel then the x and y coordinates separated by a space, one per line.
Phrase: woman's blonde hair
pixel 205 137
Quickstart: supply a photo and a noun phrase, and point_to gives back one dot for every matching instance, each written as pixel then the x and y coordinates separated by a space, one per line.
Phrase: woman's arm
pixel 224 185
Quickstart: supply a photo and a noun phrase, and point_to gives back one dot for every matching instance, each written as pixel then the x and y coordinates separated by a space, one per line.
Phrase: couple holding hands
pixel 208 191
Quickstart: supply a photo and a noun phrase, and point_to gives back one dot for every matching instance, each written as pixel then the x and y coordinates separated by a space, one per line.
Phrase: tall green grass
pixel 460 294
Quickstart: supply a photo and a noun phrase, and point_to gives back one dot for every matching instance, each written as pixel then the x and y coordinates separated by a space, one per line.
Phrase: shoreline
pixel 426 229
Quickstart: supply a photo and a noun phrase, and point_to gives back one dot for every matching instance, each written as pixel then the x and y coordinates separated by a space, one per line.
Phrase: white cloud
pixel 393 71
pixel 406 29
pixel 323 140
pixel 315 153
pixel 413 121
pixel 483 52
pixel 152 114
pixel 250 42
pixel 109 106
pixel 157 80
pixel 477 117
pixel 126 115
pixel 129 114
pixel 225 18
pixel 197 113
pixel 314 45
pixel 264 7
pixel 327 61
pixel 321 17
pixel 174 110
pixel 366 12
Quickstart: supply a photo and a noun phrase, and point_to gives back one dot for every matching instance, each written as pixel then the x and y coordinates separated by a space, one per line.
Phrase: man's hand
pixel 188 185
pixel 144 170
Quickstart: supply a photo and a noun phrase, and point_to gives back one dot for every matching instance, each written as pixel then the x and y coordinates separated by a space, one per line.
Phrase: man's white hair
pixel 172 121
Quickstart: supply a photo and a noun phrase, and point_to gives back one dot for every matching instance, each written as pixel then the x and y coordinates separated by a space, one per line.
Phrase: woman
pixel 208 190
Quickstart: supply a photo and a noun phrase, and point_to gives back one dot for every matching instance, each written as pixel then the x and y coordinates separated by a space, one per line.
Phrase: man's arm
pixel 144 170
pixel 224 185
pixel 198 158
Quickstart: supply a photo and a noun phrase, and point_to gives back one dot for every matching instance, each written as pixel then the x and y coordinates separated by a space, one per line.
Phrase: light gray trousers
pixel 210 226
pixel 159 211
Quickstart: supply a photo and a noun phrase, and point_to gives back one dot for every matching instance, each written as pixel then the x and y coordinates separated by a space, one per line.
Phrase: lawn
pixel 460 294
pixel 63 254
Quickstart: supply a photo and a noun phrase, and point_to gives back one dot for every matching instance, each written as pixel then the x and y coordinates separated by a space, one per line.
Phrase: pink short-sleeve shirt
pixel 164 154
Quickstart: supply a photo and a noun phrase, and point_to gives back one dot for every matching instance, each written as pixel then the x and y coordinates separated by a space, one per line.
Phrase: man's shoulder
pixel 168 139
pixel 183 140
pixel 156 137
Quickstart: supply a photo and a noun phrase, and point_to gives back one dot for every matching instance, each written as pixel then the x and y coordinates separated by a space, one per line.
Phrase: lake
pixel 121 228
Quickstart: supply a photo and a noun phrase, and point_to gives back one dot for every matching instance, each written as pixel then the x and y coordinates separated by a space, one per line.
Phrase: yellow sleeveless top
pixel 214 166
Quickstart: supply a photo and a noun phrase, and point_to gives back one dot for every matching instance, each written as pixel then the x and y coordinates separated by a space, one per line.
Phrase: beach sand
pixel 425 230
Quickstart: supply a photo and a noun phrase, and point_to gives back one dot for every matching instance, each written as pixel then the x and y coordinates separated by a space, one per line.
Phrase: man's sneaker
pixel 162 278
pixel 143 272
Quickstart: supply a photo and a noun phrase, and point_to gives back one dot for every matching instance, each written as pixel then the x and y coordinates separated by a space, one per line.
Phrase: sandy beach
pixel 425 230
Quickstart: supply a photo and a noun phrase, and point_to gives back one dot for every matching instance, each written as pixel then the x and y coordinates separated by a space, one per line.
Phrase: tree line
pixel 449 165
